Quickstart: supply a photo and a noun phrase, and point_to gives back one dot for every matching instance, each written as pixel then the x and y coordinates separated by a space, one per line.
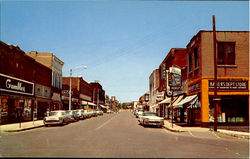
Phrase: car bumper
pixel 52 122
pixel 158 123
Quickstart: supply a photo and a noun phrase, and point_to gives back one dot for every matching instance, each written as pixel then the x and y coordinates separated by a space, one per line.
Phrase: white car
pixel 139 113
pixel 151 118
pixel 56 117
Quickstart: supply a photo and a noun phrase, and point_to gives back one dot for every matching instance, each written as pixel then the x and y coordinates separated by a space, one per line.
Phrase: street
pixel 119 135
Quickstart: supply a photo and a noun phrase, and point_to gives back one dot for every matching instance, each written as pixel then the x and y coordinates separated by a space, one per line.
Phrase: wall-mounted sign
pixel 229 85
pixel 194 87
pixel 15 85
pixel 174 78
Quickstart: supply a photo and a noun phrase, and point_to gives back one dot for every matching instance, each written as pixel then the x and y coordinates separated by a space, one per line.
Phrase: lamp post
pixel 84 67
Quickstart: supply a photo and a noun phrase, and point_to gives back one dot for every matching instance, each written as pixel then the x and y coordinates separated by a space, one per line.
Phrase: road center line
pixel 104 123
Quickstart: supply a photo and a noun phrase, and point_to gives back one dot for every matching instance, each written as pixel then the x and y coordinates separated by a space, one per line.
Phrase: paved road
pixel 119 136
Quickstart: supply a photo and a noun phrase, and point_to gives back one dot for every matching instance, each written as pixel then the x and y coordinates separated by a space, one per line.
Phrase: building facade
pixel 176 57
pixel 56 65
pixel 153 89
pixel 82 92
pixel 25 89
pixel 98 94
pixel 233 77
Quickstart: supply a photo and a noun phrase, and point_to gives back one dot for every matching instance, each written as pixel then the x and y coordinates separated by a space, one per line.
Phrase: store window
pixel 226 53
pixel 190 62
pixel 3 110
pixel 196 58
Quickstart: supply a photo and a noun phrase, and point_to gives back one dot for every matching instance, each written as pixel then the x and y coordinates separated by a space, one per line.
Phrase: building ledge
pixel 228 66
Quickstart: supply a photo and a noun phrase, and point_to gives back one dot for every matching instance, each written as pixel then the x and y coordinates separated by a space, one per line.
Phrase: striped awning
pixel 185 100
pixel 166 101
pixel 89 103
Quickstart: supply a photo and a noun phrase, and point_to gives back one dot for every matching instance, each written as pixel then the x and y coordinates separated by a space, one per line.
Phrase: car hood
pixel 152 117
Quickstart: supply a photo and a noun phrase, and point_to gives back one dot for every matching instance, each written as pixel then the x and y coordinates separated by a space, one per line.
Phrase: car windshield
pixel 149 114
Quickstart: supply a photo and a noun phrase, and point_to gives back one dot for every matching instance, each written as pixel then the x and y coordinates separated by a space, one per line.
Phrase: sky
pixel 121 42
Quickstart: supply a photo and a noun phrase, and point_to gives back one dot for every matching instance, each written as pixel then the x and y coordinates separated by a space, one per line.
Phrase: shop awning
pixel 103 106
pixel 194 104
pixel 165 101
pixel 184 101
pixel 89 103
pixel 177 100
pixel 156 105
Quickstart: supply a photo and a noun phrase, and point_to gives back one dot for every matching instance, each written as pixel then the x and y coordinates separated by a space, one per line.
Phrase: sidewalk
pixel 176 128
pixel 20 127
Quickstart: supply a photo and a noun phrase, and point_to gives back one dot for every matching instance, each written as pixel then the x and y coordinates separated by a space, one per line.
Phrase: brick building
pixel 55 64
pixel 82 93
pixel 233 77
pixel 98 95
pixel 175 57
pixel 25 90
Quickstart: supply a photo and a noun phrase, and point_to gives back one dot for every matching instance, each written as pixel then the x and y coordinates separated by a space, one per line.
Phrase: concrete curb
pixel 173 130
pixel 231 134
pixel 23 129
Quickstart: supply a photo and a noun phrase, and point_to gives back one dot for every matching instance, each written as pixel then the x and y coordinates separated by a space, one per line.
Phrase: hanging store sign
pixel 229 85
pixel 15 85
pixel 174 78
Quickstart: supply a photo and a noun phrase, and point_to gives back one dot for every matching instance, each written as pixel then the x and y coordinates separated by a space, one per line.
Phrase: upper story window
pixel 226 53
pixel 196 58
pixel 190 62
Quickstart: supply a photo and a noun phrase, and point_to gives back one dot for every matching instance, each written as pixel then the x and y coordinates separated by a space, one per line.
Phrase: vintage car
pixel 81 113
pixel 151 118
pixel 56 118
pixel 73 116
pixel 139 113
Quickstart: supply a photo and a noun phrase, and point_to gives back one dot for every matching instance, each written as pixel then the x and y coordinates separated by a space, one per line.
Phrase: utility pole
pixel 70 89
pixel 215 76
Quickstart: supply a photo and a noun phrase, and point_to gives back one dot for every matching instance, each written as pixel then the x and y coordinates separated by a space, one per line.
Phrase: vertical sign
pixel 174 78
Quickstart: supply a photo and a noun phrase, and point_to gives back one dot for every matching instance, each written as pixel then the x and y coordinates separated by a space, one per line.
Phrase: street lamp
pixel 79 67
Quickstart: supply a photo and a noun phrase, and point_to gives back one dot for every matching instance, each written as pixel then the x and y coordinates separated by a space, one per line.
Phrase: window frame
pixel 224 45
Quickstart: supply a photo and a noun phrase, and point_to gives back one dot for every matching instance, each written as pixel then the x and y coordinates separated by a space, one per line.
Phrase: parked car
pixel 56 117
pixel 94 113
pixel 90 113
pixel 151 118
pixel 138 113
pixel 72 115
pixel 80 113
pixel 109 111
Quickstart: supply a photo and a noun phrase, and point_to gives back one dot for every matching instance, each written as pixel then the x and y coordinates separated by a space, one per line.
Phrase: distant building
pixel 82 93
pixel 153 89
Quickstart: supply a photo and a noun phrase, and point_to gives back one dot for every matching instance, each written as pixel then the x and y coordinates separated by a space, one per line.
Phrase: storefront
pixel 16 100
pixel 233 101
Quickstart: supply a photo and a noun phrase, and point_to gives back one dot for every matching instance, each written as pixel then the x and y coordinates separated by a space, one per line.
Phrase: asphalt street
pixel 119 136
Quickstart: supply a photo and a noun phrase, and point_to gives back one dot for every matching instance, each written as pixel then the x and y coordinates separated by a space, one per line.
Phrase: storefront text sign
pixel 194 87
pixel 229 85
pixel 15 85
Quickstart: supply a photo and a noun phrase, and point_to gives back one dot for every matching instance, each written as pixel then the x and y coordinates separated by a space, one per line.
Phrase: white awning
pixel 89 103
pixel 184 101
pixel 165 101
pixel 103 106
